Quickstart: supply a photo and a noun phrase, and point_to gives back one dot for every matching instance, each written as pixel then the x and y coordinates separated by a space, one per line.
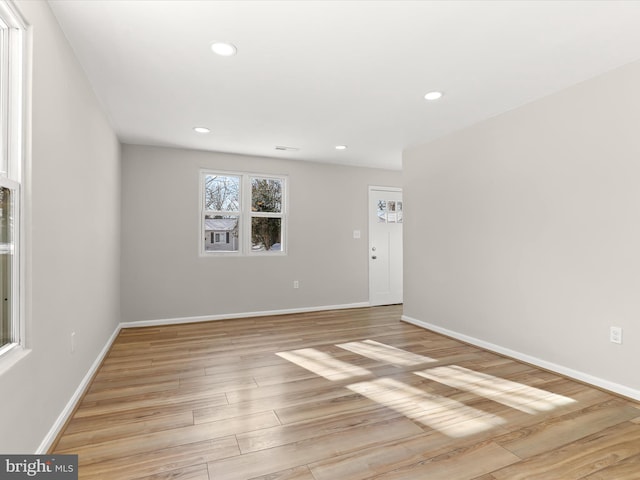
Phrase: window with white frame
pixel 243 213
pixel 222 212
pixel 267 213
pixel 12 37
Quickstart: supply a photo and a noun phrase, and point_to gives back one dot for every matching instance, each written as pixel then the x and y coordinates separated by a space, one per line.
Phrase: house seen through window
pixel 222 212
pixel 243 213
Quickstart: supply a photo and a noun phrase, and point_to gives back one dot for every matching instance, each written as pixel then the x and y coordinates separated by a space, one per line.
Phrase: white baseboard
pixel 51 436
pixel 562 370
pixel 48 440
pixel 230 316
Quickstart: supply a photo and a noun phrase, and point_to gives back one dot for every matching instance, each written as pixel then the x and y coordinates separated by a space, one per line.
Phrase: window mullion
pixel 246 209
pixel 267 214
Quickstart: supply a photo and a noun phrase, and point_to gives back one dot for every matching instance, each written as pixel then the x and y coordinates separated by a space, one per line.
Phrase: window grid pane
pixel 266 195
pixel 4 98
pixel 6 265
pixel 221 233
pixel 222 193
pixel 266 234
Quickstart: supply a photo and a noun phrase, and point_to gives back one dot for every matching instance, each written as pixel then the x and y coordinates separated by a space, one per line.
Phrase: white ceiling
pixel 315 74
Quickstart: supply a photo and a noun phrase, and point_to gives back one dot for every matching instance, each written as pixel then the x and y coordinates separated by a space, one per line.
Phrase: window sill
pixel 242 255
pixel 10 356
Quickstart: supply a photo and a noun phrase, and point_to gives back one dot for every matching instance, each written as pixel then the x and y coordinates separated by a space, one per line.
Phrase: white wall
pixel 73 228
pixel 524 230
pixel 163 275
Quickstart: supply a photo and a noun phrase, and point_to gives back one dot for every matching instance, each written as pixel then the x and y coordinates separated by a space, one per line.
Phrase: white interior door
pixel 386 216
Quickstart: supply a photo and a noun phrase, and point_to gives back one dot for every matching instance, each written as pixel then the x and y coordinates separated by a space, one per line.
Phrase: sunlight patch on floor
pixel 448 416
pixel 506 392
pixel 385 353
pixel 445 415
pixel 323 364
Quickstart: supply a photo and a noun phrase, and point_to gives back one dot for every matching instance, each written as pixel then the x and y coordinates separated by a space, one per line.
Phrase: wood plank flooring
pixel 339 395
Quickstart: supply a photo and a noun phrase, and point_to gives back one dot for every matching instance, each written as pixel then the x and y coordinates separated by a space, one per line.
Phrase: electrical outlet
pixel 73 342
pixel 615 334
pixel 296 284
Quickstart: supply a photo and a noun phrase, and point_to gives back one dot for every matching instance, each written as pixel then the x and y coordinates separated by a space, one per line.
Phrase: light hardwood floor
pixel 339 395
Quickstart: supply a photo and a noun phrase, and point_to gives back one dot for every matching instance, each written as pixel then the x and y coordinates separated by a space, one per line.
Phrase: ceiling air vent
pixel 287 149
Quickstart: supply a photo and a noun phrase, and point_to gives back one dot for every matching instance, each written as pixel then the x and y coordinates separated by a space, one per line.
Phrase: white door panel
pixel 386 216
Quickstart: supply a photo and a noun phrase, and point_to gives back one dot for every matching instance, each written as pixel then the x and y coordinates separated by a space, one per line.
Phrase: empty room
pixel 319 240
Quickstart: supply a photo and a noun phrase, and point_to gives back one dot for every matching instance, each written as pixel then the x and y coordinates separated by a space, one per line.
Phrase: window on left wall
pixel 12 38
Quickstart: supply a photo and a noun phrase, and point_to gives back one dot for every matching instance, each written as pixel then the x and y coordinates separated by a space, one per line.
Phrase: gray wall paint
pixel 163 275
pixel 524 230
pixel 73 231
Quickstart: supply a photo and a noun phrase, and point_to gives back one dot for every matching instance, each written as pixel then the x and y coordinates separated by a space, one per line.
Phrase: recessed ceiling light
pixel 341 147
pixel 224 49
pixel 433 95
pixel 201 129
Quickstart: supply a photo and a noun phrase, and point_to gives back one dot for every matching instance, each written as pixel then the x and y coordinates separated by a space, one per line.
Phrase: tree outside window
pixel 266 214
